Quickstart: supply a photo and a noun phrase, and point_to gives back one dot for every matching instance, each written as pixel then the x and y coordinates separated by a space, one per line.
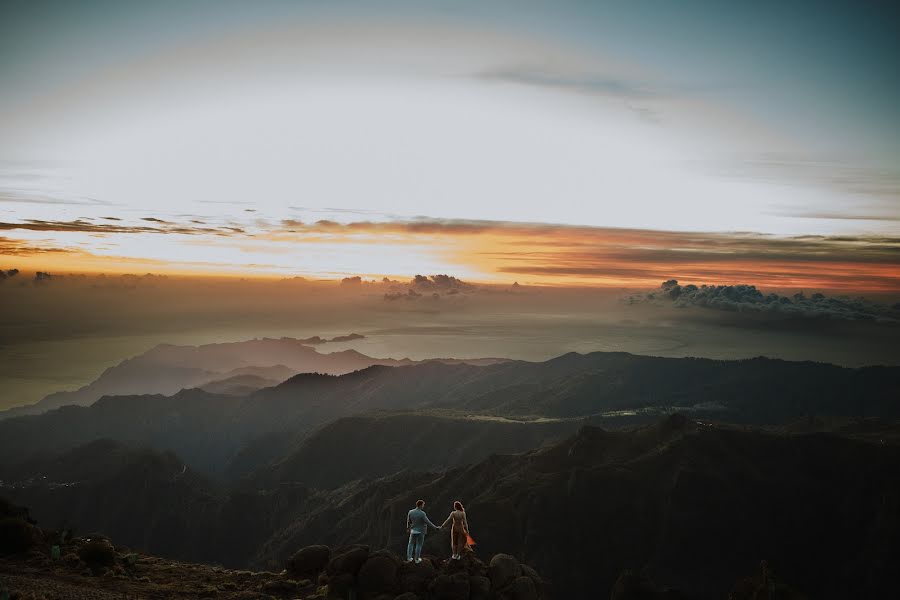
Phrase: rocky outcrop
pixel 309 561
pixel 382 575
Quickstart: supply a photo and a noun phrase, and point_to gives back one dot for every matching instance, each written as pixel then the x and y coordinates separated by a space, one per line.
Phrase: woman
pixel 459 533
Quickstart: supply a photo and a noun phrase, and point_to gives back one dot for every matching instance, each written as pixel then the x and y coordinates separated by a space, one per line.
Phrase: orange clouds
pixel 502 251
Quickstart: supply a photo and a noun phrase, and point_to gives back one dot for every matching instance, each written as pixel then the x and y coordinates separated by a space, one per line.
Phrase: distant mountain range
pixel 228 368
pixel 210 430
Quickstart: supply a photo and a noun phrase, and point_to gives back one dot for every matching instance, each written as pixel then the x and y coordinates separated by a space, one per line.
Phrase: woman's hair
pixel 458 506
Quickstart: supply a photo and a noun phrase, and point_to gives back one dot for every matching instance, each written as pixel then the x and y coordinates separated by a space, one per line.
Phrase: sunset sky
pixel 562 143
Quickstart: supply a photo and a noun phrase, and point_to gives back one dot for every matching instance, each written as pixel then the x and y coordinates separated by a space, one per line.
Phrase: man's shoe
pixel 418 560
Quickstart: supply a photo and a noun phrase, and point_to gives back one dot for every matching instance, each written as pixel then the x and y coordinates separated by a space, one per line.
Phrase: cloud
pixel 408 295
pixel 431 287
pixel 587 83
pixel 317 340
pixel 42 277
pixel 427 287
pixel 442 283
pixel 534 253
pixel 86 226
pixel 745 298
pixel 12 247
pixel 634 94
pixel 873 190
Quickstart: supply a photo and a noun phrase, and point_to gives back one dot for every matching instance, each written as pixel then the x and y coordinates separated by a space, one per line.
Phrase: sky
pixel 552 143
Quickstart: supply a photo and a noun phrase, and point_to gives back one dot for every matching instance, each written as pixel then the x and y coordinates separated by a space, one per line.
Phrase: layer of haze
pixel 62 333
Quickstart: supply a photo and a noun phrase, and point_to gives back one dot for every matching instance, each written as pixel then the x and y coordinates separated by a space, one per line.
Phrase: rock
pixel 450 587
pixel 479 587
pixel 415 577
pixel 407 596
pixel 535 577
pixel 309 561
pixel 339 586
pixel 523 589
pixel 97 553
pixel 503 569
pixel 71 559
pixel 279 587
pixel 348 561
pixel 378 574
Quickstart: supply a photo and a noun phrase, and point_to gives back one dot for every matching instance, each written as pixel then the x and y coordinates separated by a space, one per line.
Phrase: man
pixel 417 524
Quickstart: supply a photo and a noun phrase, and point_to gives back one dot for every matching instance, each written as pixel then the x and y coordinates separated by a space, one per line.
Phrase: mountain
pixel 209 430
pixel 79 487
pixel 241 382
pixel 166 369
pixel 369 447
pixel 759 390
pixel 104 486
pixel 690 505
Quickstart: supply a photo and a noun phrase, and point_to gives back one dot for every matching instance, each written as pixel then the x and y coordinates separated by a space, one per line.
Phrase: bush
pixel 16 535
pixel 97 553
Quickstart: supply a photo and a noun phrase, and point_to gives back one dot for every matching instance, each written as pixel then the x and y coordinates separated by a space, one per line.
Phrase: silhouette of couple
pixel 417 524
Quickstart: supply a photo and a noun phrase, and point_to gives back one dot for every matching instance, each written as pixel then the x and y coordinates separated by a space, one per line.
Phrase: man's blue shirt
pixel 418 521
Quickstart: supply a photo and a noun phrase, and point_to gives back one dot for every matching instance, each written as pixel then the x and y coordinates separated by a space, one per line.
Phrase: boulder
pixel 502 570
pixel 535 577
pixel 523 589
pixel 97 553
pixel 415 577
pixel 308 561
pixel 340 585
pixel 378 574
pixel 479 587
pixel 450 587
pixel 348 561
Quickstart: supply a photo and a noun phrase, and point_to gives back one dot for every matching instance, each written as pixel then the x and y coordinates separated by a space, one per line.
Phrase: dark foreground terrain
pixel 49 565
pixel 683 503
pixel 37 564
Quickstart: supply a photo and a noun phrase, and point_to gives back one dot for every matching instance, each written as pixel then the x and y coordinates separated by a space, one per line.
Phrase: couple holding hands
pixel 417 524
